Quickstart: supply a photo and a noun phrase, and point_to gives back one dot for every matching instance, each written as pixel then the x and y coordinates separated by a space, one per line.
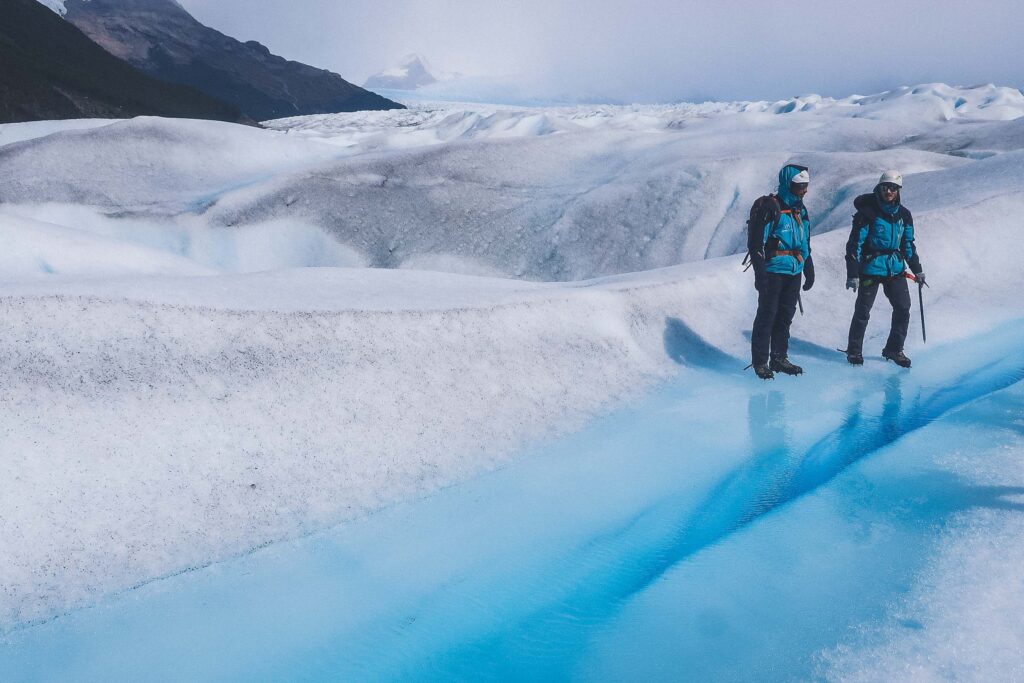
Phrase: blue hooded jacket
pixel 882 238
pixel 791 232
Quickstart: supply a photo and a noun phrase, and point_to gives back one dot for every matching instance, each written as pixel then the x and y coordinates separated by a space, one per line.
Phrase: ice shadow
pixel 801 347
pixel 938 494
pixel 686 347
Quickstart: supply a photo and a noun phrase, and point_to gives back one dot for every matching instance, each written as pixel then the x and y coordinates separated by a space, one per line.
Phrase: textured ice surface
pixel 195 363
pixel 720 530
pixel 543 194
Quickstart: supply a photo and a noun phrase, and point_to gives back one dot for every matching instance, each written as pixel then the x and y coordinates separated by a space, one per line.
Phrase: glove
pixel 808 274
pixel 920 279
pixel 759 278
pixel 852 283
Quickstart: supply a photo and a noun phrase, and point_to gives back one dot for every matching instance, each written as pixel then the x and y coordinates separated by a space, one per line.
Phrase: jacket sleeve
pixel 908 248
pixel 806 248
pixel 854 245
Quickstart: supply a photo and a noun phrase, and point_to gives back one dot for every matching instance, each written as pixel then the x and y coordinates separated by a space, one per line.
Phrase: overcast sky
pixel 649 50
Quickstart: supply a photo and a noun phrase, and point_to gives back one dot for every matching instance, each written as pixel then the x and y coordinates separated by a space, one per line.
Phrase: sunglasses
pixel 890 187
pixel 796 187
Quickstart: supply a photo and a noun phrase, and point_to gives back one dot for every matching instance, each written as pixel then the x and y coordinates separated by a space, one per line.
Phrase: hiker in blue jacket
pixel 781 256
pixel 881 242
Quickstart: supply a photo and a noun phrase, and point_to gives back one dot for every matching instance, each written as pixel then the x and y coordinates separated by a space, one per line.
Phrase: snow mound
pixel 35 249
pixel 521 192
pixel 166 165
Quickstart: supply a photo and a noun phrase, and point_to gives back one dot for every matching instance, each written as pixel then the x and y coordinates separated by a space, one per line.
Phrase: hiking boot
pixel 764 372
pixel 783 365
pixel 897 357
pixel 854 358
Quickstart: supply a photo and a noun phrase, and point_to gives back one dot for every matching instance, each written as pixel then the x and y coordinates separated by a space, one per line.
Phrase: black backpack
pixel 764 209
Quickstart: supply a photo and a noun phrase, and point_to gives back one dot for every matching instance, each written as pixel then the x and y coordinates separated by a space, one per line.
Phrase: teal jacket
pixel 789 233
pixel 881 240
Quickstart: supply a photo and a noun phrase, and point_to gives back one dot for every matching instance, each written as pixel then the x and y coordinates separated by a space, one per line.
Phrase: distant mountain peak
pixel 162 39
pixel 56 5
pixel 411 72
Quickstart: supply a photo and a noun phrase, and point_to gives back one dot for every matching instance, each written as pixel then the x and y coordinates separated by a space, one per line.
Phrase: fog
pixel 650 50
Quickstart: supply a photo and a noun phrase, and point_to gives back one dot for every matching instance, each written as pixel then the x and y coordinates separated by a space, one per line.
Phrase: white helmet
pixel 893 177
pixel 801 178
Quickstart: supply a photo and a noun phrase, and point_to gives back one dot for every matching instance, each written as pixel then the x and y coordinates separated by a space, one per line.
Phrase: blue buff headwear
pixel 889 207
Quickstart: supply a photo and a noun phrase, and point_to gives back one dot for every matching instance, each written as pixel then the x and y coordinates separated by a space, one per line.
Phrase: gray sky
pixel 650 50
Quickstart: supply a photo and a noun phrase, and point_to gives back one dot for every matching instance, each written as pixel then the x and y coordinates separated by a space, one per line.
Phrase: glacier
pixel 457 391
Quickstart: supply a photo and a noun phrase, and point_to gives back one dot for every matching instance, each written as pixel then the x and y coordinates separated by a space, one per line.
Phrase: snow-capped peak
pixel 411 72
pixel 56 5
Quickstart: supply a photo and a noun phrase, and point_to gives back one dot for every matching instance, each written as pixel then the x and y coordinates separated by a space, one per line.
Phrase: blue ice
pixel 721 529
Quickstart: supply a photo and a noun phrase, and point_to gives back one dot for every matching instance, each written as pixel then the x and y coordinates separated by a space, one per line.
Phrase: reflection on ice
pixel 668 542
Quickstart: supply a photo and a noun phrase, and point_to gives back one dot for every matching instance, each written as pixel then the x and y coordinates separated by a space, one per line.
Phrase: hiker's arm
pixel 807 244
pixel 854 245
pixel 909 249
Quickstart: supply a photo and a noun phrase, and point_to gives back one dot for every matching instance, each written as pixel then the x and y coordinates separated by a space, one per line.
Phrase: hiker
pixel 881 241
pixel 779 244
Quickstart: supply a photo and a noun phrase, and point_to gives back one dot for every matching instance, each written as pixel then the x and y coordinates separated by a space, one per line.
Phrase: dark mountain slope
pixel 165 41
pixel 51 70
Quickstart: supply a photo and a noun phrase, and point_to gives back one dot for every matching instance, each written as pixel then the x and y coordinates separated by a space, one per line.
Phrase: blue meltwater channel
pixel 721 529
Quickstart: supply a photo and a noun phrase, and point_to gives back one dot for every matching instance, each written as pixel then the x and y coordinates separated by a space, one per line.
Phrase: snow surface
pixel 721 529
pixel 196 361
pixel 523 193
pixel 56 5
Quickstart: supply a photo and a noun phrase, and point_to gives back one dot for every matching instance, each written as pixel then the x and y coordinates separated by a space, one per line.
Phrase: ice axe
pixel 920 303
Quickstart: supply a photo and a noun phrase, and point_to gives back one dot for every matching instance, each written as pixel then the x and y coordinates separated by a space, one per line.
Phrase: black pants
pixel 776 306
pixel 898 293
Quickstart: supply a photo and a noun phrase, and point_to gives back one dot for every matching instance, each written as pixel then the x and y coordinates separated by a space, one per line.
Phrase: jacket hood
pixel 786 174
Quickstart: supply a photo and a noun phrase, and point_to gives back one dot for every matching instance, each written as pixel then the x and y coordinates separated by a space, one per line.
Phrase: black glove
pixel 757 262
pixel 808 274
pixel 760 278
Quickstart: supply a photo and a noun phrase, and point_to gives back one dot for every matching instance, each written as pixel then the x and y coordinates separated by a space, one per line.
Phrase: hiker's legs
pixel 861 314
pixel 898 293
pixel 788 294
pixel 767 307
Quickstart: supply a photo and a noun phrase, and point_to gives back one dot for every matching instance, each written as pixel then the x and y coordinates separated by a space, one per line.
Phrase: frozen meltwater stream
pixel 722 529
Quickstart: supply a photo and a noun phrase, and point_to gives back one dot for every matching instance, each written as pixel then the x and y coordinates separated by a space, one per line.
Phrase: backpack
pixel 764 209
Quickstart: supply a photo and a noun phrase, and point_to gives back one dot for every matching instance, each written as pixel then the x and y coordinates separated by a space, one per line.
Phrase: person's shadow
pixel 686 347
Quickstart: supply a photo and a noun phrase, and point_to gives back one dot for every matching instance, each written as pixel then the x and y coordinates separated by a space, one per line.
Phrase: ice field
pixel 456 392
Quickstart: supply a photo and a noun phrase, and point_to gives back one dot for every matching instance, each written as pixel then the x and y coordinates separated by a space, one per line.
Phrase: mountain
pixel 56 5
pixel 410 73
pixel 51 70
pixel 165 41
